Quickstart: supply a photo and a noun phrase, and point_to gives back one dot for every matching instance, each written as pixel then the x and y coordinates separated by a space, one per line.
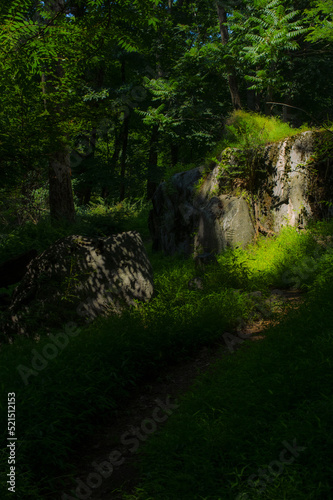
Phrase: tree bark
pixel 152 163
pixel 268 105
pixel 112 163
pixel 84 192
pixel 60 184
pixel 174 150
pixel 123 158
pixel 124 140
pixel 232 78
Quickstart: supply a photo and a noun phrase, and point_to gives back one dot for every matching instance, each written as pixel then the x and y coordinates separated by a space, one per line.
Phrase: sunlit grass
pixel 232 427
pixel 261 128
pixel 98 367
pixel 250 131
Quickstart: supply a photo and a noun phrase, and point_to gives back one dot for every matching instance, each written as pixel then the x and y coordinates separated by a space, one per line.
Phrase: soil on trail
pixel 173 382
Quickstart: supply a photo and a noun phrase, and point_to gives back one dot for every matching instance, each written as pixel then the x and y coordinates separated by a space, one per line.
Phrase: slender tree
pixel 50 42
pixel 231 72
pixel 60 185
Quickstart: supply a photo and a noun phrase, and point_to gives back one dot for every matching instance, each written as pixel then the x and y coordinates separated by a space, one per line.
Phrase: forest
pixel 210 377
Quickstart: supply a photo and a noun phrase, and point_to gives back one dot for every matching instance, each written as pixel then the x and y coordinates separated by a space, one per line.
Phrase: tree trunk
pixel 174 149
pixel 123 159
pixel 85 189
pixel 60 184
pixel 152 163
pixel 61 194
pixel 232 79
pixel 269 99
pixel 112 163
pixel 253 100
pixel 124 140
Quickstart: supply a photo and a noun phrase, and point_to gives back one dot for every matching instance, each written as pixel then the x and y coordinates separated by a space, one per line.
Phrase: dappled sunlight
pixel 88 276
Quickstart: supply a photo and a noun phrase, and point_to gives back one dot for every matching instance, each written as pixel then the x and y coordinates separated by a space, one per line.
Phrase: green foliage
pixel 268 391
pixel 123 350
pixel 291 259
pixel 320 17
pixel 48 86
pixel 236 419
pixel 288 260
pixel 276 51
pixel 120 351
pixel 98 219
pixel 242 128
pixel 175 78
pixel 269 32
pixel 22 204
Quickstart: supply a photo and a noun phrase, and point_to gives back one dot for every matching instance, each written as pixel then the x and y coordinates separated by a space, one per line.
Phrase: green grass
pixel 235 420
pixel 248 130
pixel 245 137
pixel 90 376
pixel 99 366
pixel 290 259
pixel 269 128
pixel 95 220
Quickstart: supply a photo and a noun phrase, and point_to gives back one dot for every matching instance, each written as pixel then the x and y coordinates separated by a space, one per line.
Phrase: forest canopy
pixel 100 101
pixel 103 99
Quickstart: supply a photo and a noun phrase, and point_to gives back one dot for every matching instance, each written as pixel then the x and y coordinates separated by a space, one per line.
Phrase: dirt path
pixel 133 423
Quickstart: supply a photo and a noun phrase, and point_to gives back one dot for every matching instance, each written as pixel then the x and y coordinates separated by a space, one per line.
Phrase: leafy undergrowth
pixel 227 438
pixel 267 128
pixel 251 130
pixel 83 377
pixel 78 379
pixel 260 424
pixel 96 219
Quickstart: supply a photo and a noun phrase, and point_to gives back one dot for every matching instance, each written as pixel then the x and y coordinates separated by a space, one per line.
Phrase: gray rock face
pixel 174 216
pixel 187 220
pixel 87 276
pixel 288 182
pixel 190 219
pixel 223 221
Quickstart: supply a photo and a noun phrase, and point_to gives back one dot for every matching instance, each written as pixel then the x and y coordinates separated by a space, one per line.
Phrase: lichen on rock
pixel 207 212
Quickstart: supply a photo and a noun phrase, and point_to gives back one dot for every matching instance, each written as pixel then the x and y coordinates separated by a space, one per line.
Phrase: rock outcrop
pixel 80 278
pixel 184 220
pixel 199 211
pixel 285 196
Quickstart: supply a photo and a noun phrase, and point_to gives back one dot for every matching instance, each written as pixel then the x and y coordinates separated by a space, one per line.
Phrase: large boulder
pixel 186 219
pixel 286 192
pixel 80 278
pixel 199 211
pixel 223 221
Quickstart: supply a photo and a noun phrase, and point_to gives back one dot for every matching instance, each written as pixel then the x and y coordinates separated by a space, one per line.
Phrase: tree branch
pixel 303 110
